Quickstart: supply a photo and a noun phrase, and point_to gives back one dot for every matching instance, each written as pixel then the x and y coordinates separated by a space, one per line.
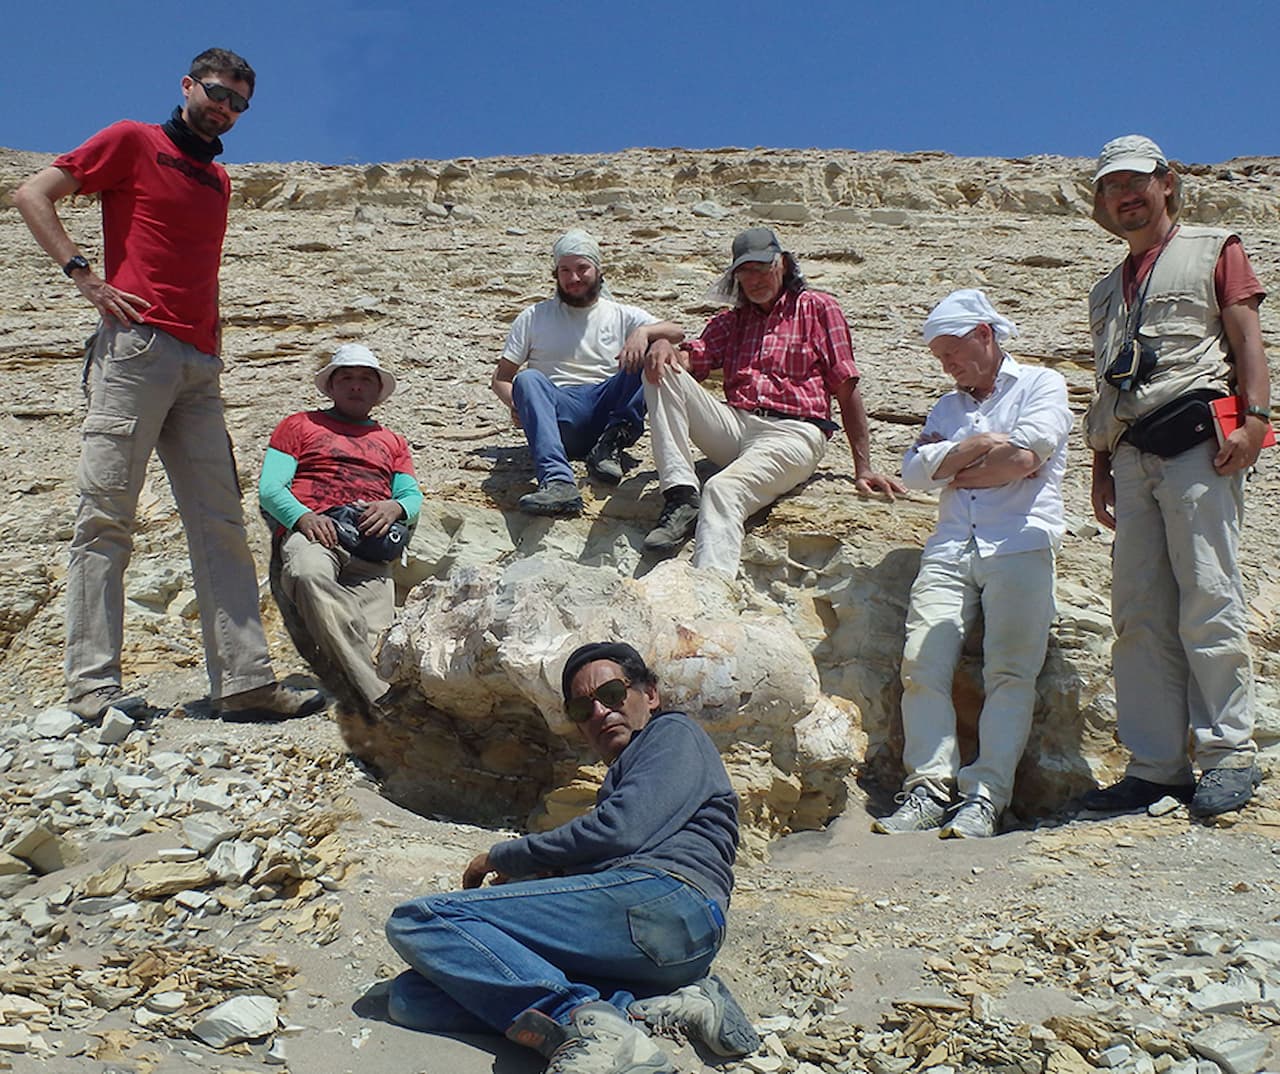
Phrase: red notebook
pixel 1228 415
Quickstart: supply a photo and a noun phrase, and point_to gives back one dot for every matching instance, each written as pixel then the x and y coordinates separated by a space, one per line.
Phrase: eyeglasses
pixel 216 91
pixel 1135 184
pixel 610 694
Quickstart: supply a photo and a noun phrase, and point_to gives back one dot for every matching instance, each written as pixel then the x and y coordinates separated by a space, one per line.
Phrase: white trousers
pixel 1181 655
pixel 1015 593
pixel 760 459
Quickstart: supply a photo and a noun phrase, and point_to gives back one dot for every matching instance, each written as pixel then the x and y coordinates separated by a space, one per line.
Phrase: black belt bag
pixel 1175 427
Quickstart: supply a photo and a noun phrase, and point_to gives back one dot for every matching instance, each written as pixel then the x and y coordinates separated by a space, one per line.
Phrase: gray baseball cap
pixel 755 244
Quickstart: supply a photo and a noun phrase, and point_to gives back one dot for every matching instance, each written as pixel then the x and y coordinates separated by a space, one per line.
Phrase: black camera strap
pixel 1134 320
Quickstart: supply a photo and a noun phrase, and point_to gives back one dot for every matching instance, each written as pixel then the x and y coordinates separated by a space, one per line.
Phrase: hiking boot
pixel 91 707
pixel 677 522
pixel 600 1040
pixel 604 461
pixel 273 701
pixel 705 1009
pixel 920 811
pixel 1221 790
pixel 552 498
pixel 975 819
pixel 1131 794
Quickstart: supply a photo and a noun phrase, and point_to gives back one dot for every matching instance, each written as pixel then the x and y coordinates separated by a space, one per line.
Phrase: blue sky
pixel 353 81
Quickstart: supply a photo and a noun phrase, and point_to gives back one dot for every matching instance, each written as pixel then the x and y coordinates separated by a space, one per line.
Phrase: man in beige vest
pixel 1175 325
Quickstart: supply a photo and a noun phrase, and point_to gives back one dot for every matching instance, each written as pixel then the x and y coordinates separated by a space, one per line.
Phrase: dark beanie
pixel 619 652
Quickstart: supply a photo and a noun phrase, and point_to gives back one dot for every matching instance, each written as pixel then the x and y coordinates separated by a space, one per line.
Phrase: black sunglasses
pixel 610 694
pixel 215 91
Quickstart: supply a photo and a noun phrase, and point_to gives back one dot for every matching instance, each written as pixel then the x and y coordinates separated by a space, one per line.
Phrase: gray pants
pixel 346 603
pixel 148 391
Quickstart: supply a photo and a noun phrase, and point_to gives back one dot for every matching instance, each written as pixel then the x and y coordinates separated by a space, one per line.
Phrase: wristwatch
pixel 76 262
pixel 1258 412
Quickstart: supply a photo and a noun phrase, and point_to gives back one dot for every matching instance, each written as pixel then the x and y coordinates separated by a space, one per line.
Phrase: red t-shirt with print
pixel 164 215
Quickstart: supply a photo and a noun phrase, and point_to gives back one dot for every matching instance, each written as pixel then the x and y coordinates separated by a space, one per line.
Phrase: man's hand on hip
pixel 110 301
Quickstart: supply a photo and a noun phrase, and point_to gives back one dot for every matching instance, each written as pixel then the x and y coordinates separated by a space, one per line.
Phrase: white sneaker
pixel 603 1041
pixel 705 1009
pixel 975 819
pixel 920 811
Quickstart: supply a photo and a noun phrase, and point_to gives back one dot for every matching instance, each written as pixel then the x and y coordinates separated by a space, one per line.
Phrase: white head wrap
pixel 961 312
pixel 577 243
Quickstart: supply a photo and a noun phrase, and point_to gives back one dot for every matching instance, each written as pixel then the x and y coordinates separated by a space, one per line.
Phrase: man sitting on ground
pixel 785 351
pixel 996 449
pixel 342 491
pixel 637 907
pixel 570 373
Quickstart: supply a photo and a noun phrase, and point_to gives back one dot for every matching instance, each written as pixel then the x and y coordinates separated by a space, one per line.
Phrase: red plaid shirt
pixel 791 359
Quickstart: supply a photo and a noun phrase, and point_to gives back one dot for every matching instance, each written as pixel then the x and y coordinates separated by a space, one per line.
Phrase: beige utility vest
pixel 1180 321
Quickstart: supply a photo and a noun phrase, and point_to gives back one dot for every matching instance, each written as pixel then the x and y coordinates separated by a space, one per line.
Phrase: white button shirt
pixel 1028 404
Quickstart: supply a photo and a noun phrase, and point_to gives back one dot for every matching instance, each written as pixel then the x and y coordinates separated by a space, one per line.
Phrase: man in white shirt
pixel 570 373
pixel 996 449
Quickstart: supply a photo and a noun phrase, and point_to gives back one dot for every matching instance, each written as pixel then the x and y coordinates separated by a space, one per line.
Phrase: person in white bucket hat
pixel 341 490
pixel 1175 326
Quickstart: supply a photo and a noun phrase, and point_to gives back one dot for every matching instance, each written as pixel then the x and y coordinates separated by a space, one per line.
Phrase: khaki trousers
pixel 345 602
pixel 760 459
pixel 1015 593
pixel 148 391
pixel 1181 655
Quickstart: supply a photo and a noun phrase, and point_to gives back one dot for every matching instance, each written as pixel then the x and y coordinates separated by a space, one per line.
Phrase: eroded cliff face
pixel 428 262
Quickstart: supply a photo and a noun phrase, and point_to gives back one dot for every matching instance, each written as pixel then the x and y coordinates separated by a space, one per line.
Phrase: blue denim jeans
pixel 565 423
pixel 480 958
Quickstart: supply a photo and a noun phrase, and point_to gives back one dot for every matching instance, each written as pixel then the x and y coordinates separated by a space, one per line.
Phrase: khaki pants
pixel 148 391
pixel 760 459
pixel 1015 593
pixel 345 602
pixel 1181 655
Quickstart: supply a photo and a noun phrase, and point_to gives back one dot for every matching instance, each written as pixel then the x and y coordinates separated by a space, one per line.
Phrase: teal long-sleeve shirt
pixel 278 501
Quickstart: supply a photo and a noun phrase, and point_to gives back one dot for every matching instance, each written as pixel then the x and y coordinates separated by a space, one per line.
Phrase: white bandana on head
pixel 578 243
pixel 961 312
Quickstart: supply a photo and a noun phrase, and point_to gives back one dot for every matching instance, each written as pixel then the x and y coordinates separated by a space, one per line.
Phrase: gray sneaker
pixel 975 819
pixel 552 498
pixel 677 522
pixel 705 1009
pixel 275 701
pixel 600 1040
pixel 1221 790
pixel 920 811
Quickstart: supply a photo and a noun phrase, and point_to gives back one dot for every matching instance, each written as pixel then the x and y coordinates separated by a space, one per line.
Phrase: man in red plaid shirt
pixel 785 352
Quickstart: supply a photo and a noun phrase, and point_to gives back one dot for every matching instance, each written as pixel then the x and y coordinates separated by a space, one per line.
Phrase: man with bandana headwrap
pixel 152 383
pixel 570 374
pixel 996 449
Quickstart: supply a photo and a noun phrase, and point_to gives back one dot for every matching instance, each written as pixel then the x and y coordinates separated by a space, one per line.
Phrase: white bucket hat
pixel 355 354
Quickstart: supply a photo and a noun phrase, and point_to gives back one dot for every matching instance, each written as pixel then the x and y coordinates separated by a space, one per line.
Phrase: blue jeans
pixel 480 958
pixel 565 423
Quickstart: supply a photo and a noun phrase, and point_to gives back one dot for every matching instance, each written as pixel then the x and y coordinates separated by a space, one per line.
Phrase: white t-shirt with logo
pixel 570 344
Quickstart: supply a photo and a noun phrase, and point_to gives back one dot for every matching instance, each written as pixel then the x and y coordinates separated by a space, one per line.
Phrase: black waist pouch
pixel 1175 427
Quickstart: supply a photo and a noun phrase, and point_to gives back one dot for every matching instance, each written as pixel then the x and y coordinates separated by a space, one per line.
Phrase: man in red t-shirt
pixel 336 571
pixel 1174 325
pixel 152 384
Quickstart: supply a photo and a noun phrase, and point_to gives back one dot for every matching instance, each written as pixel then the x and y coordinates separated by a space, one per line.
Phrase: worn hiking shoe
pixel 677 522
pixel 1132 793
pixel 975 819
pixel 91 707
pixel 604 461
pixel 1221 790
pixel 600 1040
pixel 552 498
pixel 705 1009
pixel 920 811
pixel 273 701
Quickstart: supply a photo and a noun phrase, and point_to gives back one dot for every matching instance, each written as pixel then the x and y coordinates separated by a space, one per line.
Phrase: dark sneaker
pixel 91 707
pixel 273 701
pixel 705 1009
pixel 677 522
pixel 1131 794
pixel 604 461
pixel 975 819
pixel 553 498
pixel 1221 790
pixel 920 811
pixel 602 1040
